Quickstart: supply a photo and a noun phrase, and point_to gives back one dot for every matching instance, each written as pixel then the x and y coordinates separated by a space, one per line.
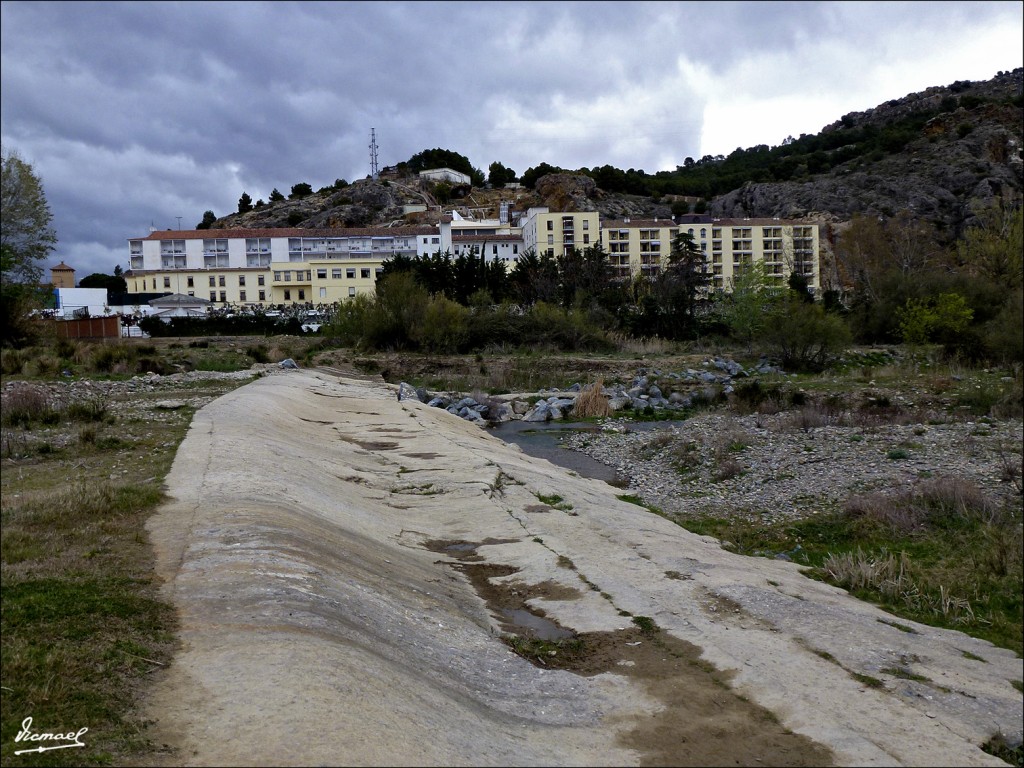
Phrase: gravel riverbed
pixel 773 467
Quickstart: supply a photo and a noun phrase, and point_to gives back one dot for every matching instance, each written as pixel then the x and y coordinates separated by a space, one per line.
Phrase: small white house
pixel 178 305
pixel 81 302
pixel 445 174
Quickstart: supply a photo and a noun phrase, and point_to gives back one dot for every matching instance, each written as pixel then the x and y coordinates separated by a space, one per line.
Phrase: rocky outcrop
pixel 964 153
pixel 363 203
pixel 959 162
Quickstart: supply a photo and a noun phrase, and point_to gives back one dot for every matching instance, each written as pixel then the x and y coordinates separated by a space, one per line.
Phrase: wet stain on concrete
pixel 702 721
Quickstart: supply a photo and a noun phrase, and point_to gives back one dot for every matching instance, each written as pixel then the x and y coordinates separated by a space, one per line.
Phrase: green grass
pixel 868 680
pixel 554 501
pixel 955 571
pixel 905 674
pixel 646 624
pixel 82 623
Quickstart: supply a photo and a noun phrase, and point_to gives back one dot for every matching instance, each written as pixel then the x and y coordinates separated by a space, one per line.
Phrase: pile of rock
pixel 654 389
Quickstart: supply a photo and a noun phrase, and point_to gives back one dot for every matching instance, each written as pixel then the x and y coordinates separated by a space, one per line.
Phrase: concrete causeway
pixel 318 546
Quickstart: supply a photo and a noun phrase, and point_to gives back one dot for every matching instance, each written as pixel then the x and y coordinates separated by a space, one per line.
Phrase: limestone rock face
pixel 956 163
pixel 942 155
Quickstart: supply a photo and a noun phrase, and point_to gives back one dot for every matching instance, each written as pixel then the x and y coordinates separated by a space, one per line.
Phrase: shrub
pixel 12 361
pixel 803 336
pixel 258 352
pixel 1004 334
pixel 445 326
pixel 22 406
pixel 750 394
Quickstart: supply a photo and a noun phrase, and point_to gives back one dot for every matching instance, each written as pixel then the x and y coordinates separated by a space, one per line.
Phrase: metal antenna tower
pixel 373 154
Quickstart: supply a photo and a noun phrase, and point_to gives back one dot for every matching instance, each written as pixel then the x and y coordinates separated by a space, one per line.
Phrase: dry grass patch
pixel 591 402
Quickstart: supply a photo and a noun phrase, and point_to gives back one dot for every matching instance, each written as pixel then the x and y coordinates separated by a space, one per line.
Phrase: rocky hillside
pixel 962 150
pixel 941 154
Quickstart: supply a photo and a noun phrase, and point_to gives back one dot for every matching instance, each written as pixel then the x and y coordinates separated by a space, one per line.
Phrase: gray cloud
pixel 134 113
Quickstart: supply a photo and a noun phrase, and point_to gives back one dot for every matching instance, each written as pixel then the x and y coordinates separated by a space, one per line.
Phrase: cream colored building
pixel 642 247
pixel 305 266
pixel 638 246
pixel 560 232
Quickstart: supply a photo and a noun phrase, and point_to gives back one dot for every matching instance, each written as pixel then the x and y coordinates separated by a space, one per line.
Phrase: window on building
pixel 586 239
pixel 323 293
pixel 287 295
pixel 213 281
pixel 241 295
pixel 351 290
pixel 260 280
pixel 365 273
pixel 586 224
pixel 263 295
pixel 321 274
pixel 191 282
pixel 220 281
pixel 167 282
pixel 191 293
pixel 515 248
pixel 350 273
pixel 336 274
pixel 277 277
pixel 494 250
pixel 223 297
pixel 215 252
pixel 551 239
pixel 302 295
pixel 551 226
pixel 241 280
pixel 435 241
pixel 213 295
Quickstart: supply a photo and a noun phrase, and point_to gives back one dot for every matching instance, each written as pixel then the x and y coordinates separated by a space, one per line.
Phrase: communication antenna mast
pixel 373 154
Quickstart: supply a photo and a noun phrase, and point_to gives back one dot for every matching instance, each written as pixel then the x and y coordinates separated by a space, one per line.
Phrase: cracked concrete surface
pixel 318 627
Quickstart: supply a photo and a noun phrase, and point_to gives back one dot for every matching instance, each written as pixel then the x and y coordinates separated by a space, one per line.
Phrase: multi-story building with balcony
pixel 273 266
pixel 493 239
pixel 642 247
pixel 561 232
pixel 638 246
pixel 322 266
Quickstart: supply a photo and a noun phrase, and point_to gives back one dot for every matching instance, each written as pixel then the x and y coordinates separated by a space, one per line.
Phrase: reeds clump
pixel 591 402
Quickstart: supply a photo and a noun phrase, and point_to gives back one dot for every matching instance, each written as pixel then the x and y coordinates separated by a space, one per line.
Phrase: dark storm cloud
pixel 135 113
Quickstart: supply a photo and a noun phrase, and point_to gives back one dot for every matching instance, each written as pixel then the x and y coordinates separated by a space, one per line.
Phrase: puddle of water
pixel 465 546
pixel 539 627
pixel 544 441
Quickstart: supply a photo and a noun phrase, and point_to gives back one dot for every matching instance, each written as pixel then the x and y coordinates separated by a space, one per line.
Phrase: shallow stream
pixel 544 440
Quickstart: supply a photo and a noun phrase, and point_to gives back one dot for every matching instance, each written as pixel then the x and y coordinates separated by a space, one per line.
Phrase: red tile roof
pixel 211 234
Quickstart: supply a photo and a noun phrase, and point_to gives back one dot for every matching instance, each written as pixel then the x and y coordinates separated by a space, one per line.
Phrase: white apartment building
pixel 494 239
pixel 272 266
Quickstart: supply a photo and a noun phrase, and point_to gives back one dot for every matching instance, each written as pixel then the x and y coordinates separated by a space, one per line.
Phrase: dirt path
pixel 346 564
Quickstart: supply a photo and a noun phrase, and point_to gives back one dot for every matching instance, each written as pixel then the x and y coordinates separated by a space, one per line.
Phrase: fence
pixel 90 328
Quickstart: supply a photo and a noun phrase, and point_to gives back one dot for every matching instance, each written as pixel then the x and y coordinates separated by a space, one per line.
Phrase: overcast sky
pixel 138 113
